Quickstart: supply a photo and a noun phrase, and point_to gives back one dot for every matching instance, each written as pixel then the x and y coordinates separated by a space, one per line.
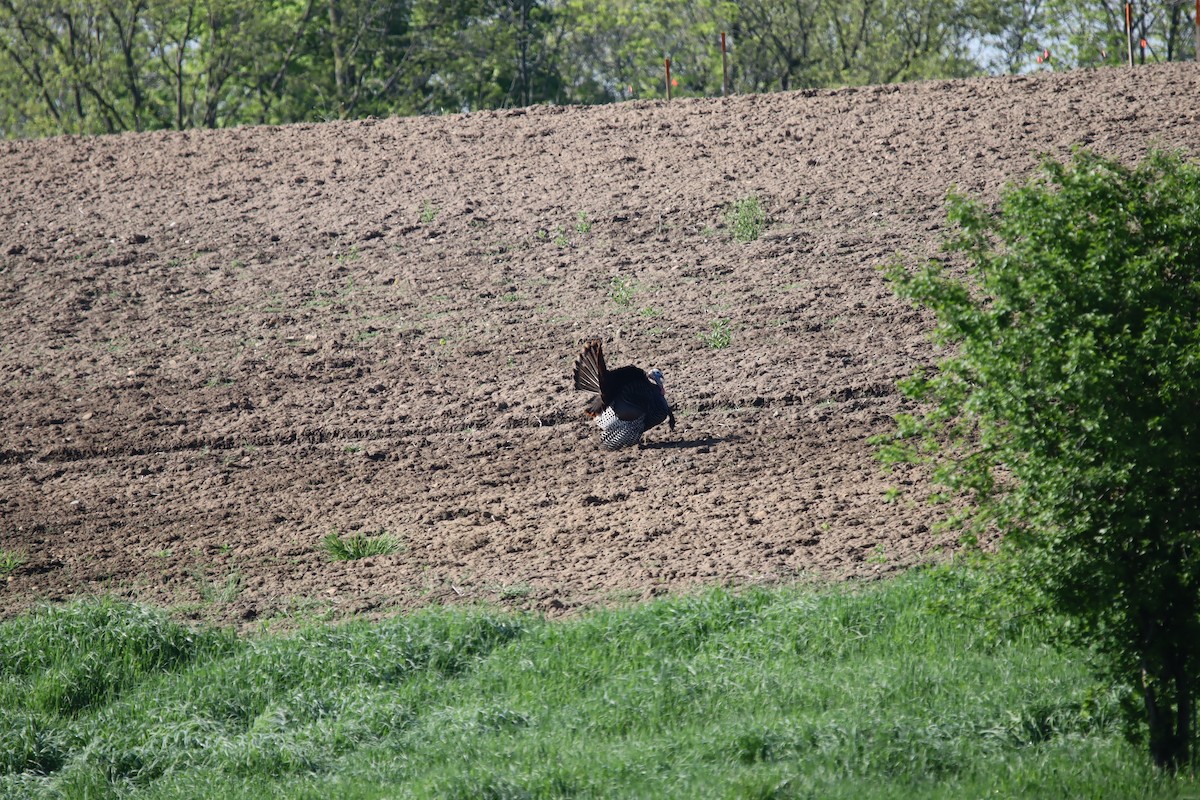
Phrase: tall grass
pixel 359 545
pixel 840 692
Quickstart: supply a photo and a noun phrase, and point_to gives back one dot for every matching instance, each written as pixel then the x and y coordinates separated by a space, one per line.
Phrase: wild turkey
pixel 628 401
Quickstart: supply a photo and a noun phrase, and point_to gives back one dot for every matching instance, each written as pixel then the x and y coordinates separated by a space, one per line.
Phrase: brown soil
pixel 221 346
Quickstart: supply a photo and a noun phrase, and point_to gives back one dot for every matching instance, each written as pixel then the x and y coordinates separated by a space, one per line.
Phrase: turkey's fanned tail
pixel 589 368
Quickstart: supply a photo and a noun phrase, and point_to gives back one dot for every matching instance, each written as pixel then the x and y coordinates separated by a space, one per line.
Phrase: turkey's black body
pixel 628 402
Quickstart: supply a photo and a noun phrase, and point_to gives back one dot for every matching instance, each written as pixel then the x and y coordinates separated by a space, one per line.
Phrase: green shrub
pixel 1069 411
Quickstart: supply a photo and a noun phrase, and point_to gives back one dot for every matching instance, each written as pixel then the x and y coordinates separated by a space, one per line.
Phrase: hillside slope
pixel 221 346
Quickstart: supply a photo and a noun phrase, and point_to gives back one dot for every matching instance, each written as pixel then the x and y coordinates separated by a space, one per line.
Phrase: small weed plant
pixel 622 290
pixel 746 219
pixel 10 562
pixel 429 212
pixel 718 336
pixel 349 548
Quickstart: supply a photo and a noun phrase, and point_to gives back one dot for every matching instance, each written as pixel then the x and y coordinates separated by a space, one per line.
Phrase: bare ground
pixel 219 347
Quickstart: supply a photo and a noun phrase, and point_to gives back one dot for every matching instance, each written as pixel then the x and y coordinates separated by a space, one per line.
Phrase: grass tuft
pixel 349 548
pixel 429 212
pixel 10 562
pixel 746 219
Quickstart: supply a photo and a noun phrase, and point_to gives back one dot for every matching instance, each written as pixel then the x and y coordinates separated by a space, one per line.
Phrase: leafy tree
pixel 813 43
pixel 102 66
pixel 778 45
pixel 1092 32
pixel 1010 31
pixel 99 66
pixel 472 54
pixel 67 56
pixel 617 48
pixel 357 54
pixel 1068 413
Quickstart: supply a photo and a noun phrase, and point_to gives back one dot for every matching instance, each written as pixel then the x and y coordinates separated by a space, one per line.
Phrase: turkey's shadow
pixel 707 441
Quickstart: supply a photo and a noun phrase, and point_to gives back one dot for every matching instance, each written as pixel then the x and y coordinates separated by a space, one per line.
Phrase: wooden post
pixel 725 58
pixel 667 62
pixel 1198 30
pixel 1129 30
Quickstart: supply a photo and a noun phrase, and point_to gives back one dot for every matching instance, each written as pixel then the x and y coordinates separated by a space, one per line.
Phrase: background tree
pixel 1068 413
pixel 616 48
pixel 777 44
pixel 1084 33
pixel 65 58
pixel 358 50
pixel 877 41
pixel 1009 33
pixel 99 66
pixel 474 54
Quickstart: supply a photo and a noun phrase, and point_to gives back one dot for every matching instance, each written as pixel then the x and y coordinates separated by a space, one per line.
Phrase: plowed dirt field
pixel 220 347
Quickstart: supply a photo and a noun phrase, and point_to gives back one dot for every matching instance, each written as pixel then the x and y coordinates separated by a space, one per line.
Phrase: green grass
pixel 622 290
pixel 429 212
pixel 718 336
pixel 10 561
pixel 348 548
pixel 746 219
pixel 844 692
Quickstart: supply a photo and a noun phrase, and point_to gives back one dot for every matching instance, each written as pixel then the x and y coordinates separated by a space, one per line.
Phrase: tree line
pixel 102 66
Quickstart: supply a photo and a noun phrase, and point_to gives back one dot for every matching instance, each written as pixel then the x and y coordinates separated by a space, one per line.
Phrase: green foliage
pixel 560 236
pixel 622 290
pixel 840 692
pixel 64 661
pixel 1069 411
pixel 349 548
pixel 830 43
pixel 429 212
pixel 9 562
pixel 114 65
pixel 100 66
pixel 718 336
pixel 746 219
